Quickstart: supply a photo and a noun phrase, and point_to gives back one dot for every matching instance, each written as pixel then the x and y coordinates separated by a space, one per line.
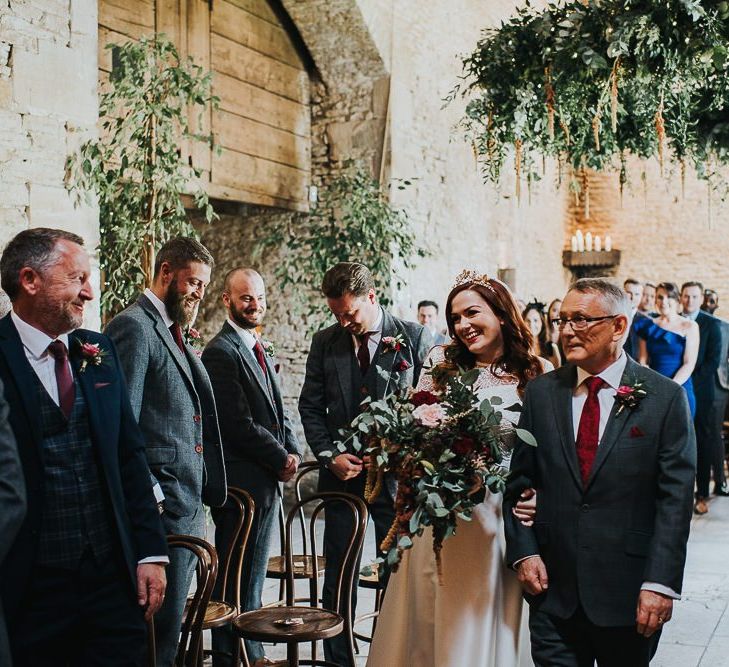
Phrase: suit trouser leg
pixel 709 443
pixel 253 578
pixel 168 620
pixel 85 617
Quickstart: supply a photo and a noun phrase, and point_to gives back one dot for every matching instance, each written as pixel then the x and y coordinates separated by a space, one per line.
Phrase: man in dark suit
pixel 711 386
pixel 634 291
pixel 367 353
pixel 91 552
pixel 613 469
pixel 259 443
pixel 173 401
pixel 12 504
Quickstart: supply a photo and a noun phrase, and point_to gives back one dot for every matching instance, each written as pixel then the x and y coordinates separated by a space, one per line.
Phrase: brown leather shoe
pixel 701 507
pixel 267 662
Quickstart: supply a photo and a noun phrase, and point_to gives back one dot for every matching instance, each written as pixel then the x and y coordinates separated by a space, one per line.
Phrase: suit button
pixel 198 448
pixel 196 418
pixel 585 508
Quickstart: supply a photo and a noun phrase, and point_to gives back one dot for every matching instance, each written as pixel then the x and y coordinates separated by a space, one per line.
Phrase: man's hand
pixel 346 466
pixel 526 509
pixel 653 611
pixel 151 584
pixel 532 575
pixel 292 465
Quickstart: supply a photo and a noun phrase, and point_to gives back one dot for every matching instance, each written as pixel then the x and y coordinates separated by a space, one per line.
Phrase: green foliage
pixel 353 222
pixel 589 82
pixel 134 170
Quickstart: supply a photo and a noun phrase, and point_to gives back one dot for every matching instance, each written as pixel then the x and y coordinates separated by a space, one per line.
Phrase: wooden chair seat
pixel 303 567
pixel 262 624
pixel 371 580
pixel 217 614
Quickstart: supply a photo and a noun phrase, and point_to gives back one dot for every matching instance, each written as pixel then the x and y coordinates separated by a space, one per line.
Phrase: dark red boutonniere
pixel 91 354
pixel 402 366
pixel 392 343
pixel 629 396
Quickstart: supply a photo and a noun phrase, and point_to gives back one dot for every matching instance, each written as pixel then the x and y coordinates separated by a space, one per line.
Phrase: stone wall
pixel 48 105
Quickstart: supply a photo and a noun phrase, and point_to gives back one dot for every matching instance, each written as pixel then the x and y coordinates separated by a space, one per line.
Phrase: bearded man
pixel 173 402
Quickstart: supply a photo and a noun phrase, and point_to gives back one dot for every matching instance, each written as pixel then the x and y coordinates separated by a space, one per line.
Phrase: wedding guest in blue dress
pixel 669 343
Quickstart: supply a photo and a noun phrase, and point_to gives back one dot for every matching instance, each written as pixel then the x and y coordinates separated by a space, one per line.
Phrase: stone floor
pixel 698 634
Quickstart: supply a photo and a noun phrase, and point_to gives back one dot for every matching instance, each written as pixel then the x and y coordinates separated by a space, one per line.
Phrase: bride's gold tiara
pixel 470 277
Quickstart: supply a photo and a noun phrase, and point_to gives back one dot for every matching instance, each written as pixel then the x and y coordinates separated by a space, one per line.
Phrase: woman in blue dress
pixel 669 343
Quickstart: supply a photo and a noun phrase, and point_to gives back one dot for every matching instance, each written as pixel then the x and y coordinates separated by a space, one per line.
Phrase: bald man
pixel 259 444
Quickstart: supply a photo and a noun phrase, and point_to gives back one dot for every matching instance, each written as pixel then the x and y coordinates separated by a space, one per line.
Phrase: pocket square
pixel 101 385
pixel 636 432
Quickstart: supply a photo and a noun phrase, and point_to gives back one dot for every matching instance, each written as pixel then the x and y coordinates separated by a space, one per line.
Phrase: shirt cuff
pixel 660 588
pixel 158 495
pixel 154 559
pixel 516 562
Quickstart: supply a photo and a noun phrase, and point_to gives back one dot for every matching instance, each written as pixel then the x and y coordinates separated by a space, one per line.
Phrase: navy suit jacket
pixel 119 446
pixel 710 372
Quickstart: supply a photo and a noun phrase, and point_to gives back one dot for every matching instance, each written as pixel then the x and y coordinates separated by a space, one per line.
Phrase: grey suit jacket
pixel 630 524
pixel 711 372
pixel 12 504
pixel 255 428
pixel 327 402
pixel 173 402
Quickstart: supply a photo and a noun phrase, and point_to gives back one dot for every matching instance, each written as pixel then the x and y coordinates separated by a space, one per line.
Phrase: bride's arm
pixel 435 357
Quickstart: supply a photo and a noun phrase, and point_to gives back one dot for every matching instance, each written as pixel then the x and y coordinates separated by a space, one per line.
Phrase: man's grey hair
pixel 35 248
pixel 613 296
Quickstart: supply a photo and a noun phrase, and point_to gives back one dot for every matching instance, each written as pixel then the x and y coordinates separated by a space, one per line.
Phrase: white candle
pixel 580 241
pixel 574 243
pixel 588 241
pixel 598 243
pixel 608 243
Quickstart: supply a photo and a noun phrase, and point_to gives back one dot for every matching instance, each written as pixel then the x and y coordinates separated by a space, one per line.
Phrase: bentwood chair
pixel 374 581
pixel 221 612
pixel 296 624
pixel 303 562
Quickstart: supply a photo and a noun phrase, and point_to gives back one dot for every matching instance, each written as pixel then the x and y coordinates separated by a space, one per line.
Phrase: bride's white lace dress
pixel 473 619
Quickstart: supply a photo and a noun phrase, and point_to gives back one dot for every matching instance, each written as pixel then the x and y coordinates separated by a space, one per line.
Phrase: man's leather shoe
pixel 721 490
pixel 701 507
pixel 267 662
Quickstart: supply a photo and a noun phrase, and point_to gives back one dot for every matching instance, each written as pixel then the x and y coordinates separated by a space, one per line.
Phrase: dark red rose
pixel 423 398
pixel 463 446
pixel 403 365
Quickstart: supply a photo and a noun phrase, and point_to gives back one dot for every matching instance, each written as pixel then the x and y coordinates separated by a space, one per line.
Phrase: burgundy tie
pixel 64 379
pixel 363 353
pixel 588 432
pixel 260 356
pixel 176 332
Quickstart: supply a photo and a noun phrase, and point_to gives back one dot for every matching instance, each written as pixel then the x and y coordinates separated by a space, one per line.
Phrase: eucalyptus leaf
pixel 526 436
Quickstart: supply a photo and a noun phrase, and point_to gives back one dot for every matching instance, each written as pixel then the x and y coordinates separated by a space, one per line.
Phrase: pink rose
pixel 429 415
pixel 90 350
pixel 624 391
pixel 194 333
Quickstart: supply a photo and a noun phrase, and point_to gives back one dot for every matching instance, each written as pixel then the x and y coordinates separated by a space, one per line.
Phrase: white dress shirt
pixel 35 345
pixel 160 306
pixel 606 397
pixel 373 342
pixel 248 338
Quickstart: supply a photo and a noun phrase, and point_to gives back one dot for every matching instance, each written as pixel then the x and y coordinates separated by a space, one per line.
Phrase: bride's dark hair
pixel 517 359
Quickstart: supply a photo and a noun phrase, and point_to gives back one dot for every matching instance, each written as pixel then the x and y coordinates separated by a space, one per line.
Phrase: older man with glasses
pixel 613 470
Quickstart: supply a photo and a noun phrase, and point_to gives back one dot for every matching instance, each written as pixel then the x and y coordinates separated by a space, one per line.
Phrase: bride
pixel 474 616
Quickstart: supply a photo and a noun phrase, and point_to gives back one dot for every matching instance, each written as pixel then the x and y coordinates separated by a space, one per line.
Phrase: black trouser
pixel 577 642
pixel 337 530
pixel 709 444
pixel 85 617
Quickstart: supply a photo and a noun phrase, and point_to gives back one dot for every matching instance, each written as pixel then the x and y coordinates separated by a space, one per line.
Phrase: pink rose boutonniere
pixel 629 396
pixel 268 347
pixel 91 354
pixel 392 343
pixel 193 338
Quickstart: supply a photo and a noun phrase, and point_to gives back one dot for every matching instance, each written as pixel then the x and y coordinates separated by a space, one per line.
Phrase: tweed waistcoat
pixel 364 385
pixel 76 514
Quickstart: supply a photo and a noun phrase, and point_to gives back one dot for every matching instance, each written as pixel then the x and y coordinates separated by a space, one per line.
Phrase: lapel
pixel 615 423
pixel 342 352
pixel 248 358
pixel 166 337
pixel 562 409
pixel 385 359
pixel 22 372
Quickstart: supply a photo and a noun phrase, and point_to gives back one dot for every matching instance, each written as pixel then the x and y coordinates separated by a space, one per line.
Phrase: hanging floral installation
pixel 590 82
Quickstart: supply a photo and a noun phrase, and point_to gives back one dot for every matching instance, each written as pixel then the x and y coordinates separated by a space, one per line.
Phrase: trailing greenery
pixel 590 81
pixel 353 221
pixel 134 169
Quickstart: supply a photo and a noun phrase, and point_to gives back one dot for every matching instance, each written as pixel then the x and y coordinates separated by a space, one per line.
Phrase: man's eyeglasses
pixel 579 323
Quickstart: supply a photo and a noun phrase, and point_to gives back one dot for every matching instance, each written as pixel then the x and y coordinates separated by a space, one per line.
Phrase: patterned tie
pixel 588 432
pixel 363 353
pixel 176 332
pixel 64 379
pixel 260 356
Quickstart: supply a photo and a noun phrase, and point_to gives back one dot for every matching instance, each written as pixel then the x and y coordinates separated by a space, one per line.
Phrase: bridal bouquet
pixel 442 448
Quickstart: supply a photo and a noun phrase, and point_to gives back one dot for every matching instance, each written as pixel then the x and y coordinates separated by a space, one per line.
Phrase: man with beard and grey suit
pixel 173 401
pixel 367 353
pixel 259 443
pixel 711 386
pixel 614 471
